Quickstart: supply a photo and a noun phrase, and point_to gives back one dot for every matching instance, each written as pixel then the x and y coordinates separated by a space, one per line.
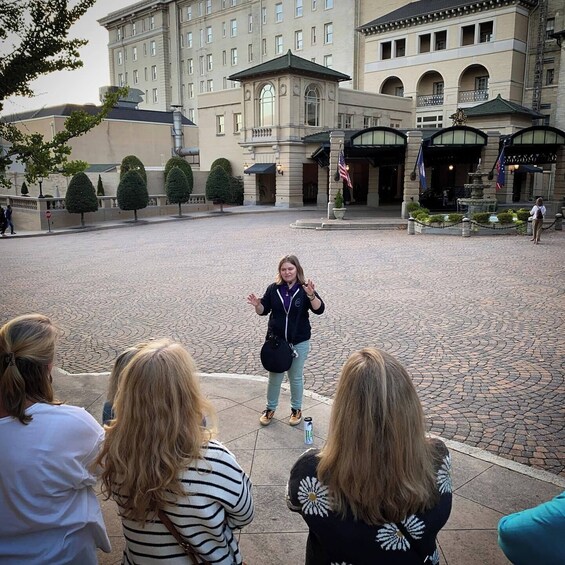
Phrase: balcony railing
pixel 430 100
pixel 473 95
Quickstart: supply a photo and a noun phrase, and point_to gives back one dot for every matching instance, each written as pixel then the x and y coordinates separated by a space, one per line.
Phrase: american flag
pixel 501 170
pixel 343 172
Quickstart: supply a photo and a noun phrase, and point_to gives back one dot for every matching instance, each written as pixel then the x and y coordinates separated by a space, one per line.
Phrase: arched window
pixel 312 106
pixel 267 105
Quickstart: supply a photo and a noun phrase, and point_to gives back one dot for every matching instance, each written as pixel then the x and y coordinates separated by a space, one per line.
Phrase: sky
pixel 79 86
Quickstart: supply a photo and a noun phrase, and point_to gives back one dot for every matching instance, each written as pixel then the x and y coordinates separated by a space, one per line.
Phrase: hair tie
pixel 10 358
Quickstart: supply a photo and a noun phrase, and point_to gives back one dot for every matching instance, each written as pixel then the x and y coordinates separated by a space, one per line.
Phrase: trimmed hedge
pixel 224 163
pixel 505 217
pixel 133 163
pixel 481 217
pixel 132 193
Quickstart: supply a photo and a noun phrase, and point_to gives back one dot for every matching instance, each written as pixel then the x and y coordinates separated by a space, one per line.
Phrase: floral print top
pixel 343 541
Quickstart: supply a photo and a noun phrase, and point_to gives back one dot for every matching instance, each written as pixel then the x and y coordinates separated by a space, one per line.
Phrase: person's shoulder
pixel 307 463
pixel 66 415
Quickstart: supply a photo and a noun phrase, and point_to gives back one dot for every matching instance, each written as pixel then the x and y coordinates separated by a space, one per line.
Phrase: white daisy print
pixel 390 537
pixel 415 526
pixel 313 496
pixel 434 559
pixel 444 476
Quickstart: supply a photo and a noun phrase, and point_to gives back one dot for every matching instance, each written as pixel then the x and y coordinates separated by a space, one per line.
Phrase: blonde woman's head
pixel 293 260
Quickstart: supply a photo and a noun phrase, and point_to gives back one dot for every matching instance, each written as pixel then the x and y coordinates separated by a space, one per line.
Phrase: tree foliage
pixel 132 192
pixel 224 163
pixel 34 42
pixel 183 166
pixel 176 187
pixel 24 191
pixel 133 163
pixel 80 197
pixel 218 186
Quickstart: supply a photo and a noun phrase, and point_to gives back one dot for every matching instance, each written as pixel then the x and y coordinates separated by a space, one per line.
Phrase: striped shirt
pixel 218 502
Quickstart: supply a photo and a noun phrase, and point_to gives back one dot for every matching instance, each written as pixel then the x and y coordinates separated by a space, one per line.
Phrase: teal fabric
pixel 535 535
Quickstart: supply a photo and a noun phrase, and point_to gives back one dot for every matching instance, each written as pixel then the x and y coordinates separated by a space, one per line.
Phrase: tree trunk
pixel 135 215
pixel 180 211
pixel 82 220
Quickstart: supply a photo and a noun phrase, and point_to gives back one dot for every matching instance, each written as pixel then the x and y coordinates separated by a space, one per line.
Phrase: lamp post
pixel 40 189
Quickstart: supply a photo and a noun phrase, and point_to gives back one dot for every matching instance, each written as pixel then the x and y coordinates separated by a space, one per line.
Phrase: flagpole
pixel 337 140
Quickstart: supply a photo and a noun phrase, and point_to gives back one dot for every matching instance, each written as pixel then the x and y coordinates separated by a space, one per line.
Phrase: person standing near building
pixel 288 302
pixel 2 222
pixel 538 213
pixel 9 223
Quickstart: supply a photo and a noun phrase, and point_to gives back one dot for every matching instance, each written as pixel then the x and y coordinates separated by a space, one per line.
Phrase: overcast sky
pixel 80 86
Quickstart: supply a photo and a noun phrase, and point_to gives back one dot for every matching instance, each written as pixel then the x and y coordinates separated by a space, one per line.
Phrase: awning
pixel 530 169
pixel 260 169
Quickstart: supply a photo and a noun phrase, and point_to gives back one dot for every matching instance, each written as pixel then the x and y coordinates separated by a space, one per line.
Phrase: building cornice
pixel 132 11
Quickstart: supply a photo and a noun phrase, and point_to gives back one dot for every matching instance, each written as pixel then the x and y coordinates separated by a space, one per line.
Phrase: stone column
pixel 373 188
pixel 411 187
pixel 337 139
pixel 489 156
pixel 250 195
pixel 322 198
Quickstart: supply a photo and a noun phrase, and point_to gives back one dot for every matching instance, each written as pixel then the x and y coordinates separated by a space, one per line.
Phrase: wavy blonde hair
pixel 27 351
pixel 377 462
pixel 117 370
pixel 293 260
pixel 157 430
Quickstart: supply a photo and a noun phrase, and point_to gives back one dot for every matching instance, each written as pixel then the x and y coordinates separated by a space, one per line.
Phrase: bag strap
pixel 187 548
pixel 413 543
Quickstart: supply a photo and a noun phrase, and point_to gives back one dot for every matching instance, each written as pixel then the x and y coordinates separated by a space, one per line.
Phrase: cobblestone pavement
pixel 478 322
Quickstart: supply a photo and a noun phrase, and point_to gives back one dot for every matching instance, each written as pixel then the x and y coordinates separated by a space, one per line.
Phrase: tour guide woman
pixel 288 301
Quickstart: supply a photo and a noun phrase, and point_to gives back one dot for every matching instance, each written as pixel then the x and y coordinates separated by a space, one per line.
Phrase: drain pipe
pixel 177 134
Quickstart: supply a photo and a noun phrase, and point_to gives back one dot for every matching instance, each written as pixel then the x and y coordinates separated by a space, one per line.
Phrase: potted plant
pixel 338 210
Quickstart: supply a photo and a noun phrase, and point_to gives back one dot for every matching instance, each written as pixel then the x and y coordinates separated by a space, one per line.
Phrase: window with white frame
pixel 267 106
pixel 135 77
pixel 154 72
pixel 314 5
pixel 145 75
pixel 121 79
pixel 485 32
pixel 153 48
pixel 298 8
pixel 234 56
pixel 250 53
pixel 278 44
pixel 312 106
pixel 328 61
pixel 145 49
pixel 224 58
pixel 220 126
pixel 181 36
pixel 191 90
pixel 298 40
pixel 278 12
pixel 224 29
pixel 264 46
pixel 208 6
pixel 202 40
pixel 210 85
pixel 190 66
pixel 209 62
pixel 313 35
pixel 189 13
pixel 200 8
pixel 120 58
pixel 189 39
pixel 328 33
pixel 250 23
pixel 155 95
pixel 202 86
pixel 481 83
pixel 126 78
pixel 209 34
pixel 237 122
pixel 201 64
pixel 233 28
pixel 133 29
pixel 429 122
pixel 119 34
pixel 549 28
pixel 191 114
pixel 264 15
pixel 329 4
pixel 152 22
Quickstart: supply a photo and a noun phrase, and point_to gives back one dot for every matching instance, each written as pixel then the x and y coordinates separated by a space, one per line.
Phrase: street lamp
pixel 40 189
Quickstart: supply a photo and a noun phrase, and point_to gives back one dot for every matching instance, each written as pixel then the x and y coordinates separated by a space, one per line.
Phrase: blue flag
pixel 421 168
pixel 501 170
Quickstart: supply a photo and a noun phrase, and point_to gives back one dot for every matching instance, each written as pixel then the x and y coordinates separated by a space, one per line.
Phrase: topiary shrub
pixel 24 191
pixel 132 163
pixel 454 217
pixel 481 217
pixel 421 214
pixel 412 207
pixel 100 187
pixel 80 197
pixel 338 200
pixel 183 166
pixel 176 188
pixel 132 193
pixel 224 163
pixel 523 214
pixel 217 186
pixel 437 219
pixel 505 217
pixel 236 191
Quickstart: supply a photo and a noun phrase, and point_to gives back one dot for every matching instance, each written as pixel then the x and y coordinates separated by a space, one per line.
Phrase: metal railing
pixel 429 100
pixel 473 95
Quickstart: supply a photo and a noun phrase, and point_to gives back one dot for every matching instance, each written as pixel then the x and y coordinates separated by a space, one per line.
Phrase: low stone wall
pixel 29 213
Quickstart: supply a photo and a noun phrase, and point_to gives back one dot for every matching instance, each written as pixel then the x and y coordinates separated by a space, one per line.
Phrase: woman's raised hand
pixel 309 287
pixel 253 300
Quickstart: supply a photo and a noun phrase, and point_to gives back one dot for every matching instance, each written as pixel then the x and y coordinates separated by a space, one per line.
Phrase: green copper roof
pixel 500 106
pixel 289 63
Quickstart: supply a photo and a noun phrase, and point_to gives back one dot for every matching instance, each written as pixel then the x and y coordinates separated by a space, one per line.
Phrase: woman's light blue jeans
pixel 295 378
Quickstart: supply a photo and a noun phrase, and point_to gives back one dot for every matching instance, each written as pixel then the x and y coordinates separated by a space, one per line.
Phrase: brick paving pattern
pixel 478 322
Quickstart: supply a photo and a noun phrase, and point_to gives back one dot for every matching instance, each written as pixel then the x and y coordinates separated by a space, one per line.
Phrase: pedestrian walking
pixel 9 223
pixel 538 213
pixel 288 302
pixel 3 223
pixel 378 480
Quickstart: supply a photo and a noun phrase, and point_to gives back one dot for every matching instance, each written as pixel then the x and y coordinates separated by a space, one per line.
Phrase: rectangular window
pixel 153 48
pixel 145 73
pixel 234 56
pixel 181 40
pixel 386 50
pixel 549 76
pixel 201 64
pixel 209 62
pixel 208 6
pixel 201 37
pixel 314 5
pixel 399 91
pixel 224 4
pixel 485 32
pixel 210 85
pixel 189 39
pixel 224 58
pixel 278 44
pixel 328 33
pixel 250 53
pixel 298 41
pixel 135 77
pixel 440 40
pixel 209 34
pixel 120 79
pixel 233 3
pixel 278 12
pixel 233 28
pixel 190 66
pixel 220 129
pixel 191 114
pixel 298 9
pixel 237 122
pixel 145 49
pixel 264 46
pixel 328 61
pixel 549 28
pixel 250 23
pixel 154 72
pixel 424 43
pixel 264 15
pixel 133 29
pixel 400 48
pixel 191 90
pixel 200 8
pixel 313 35
pixel 155 96
pixel 119 34
pixel 125 54
pixel 481 83
pixel 120 58
pixel 189 13
pixel 329 4
pixel 468 35
pixel 202 86
pixel 438 88
pixel 152 22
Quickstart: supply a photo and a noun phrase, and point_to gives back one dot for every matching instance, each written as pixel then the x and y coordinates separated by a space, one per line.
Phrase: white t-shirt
pixel 49 512
pixel 533 211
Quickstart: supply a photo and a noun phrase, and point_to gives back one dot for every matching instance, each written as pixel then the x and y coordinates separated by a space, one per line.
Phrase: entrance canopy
pixel 535 145
pixel 457 144
pixel 260 169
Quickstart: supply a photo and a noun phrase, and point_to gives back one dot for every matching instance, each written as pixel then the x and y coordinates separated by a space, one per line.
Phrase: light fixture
pixel 280 169
pixel 450 167
pixel 245 165
pixel 347 167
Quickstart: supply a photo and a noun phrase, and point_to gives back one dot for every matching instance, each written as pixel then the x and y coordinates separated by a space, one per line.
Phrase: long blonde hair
pixel 377 461
pixel 157 429
pixel 27 351
pixel 293 260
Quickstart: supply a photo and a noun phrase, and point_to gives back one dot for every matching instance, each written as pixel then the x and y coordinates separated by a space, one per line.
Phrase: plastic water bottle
pixel 308 431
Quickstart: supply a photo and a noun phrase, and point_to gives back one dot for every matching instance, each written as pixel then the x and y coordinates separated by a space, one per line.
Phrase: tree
pixel 132 193
pixel 133 163
pixel 224 163
pixel 33 34
pixel 24 191
pixel 176 187
pixel 100 187
pixel 80 197
pixel 217 186
pixel 183 166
